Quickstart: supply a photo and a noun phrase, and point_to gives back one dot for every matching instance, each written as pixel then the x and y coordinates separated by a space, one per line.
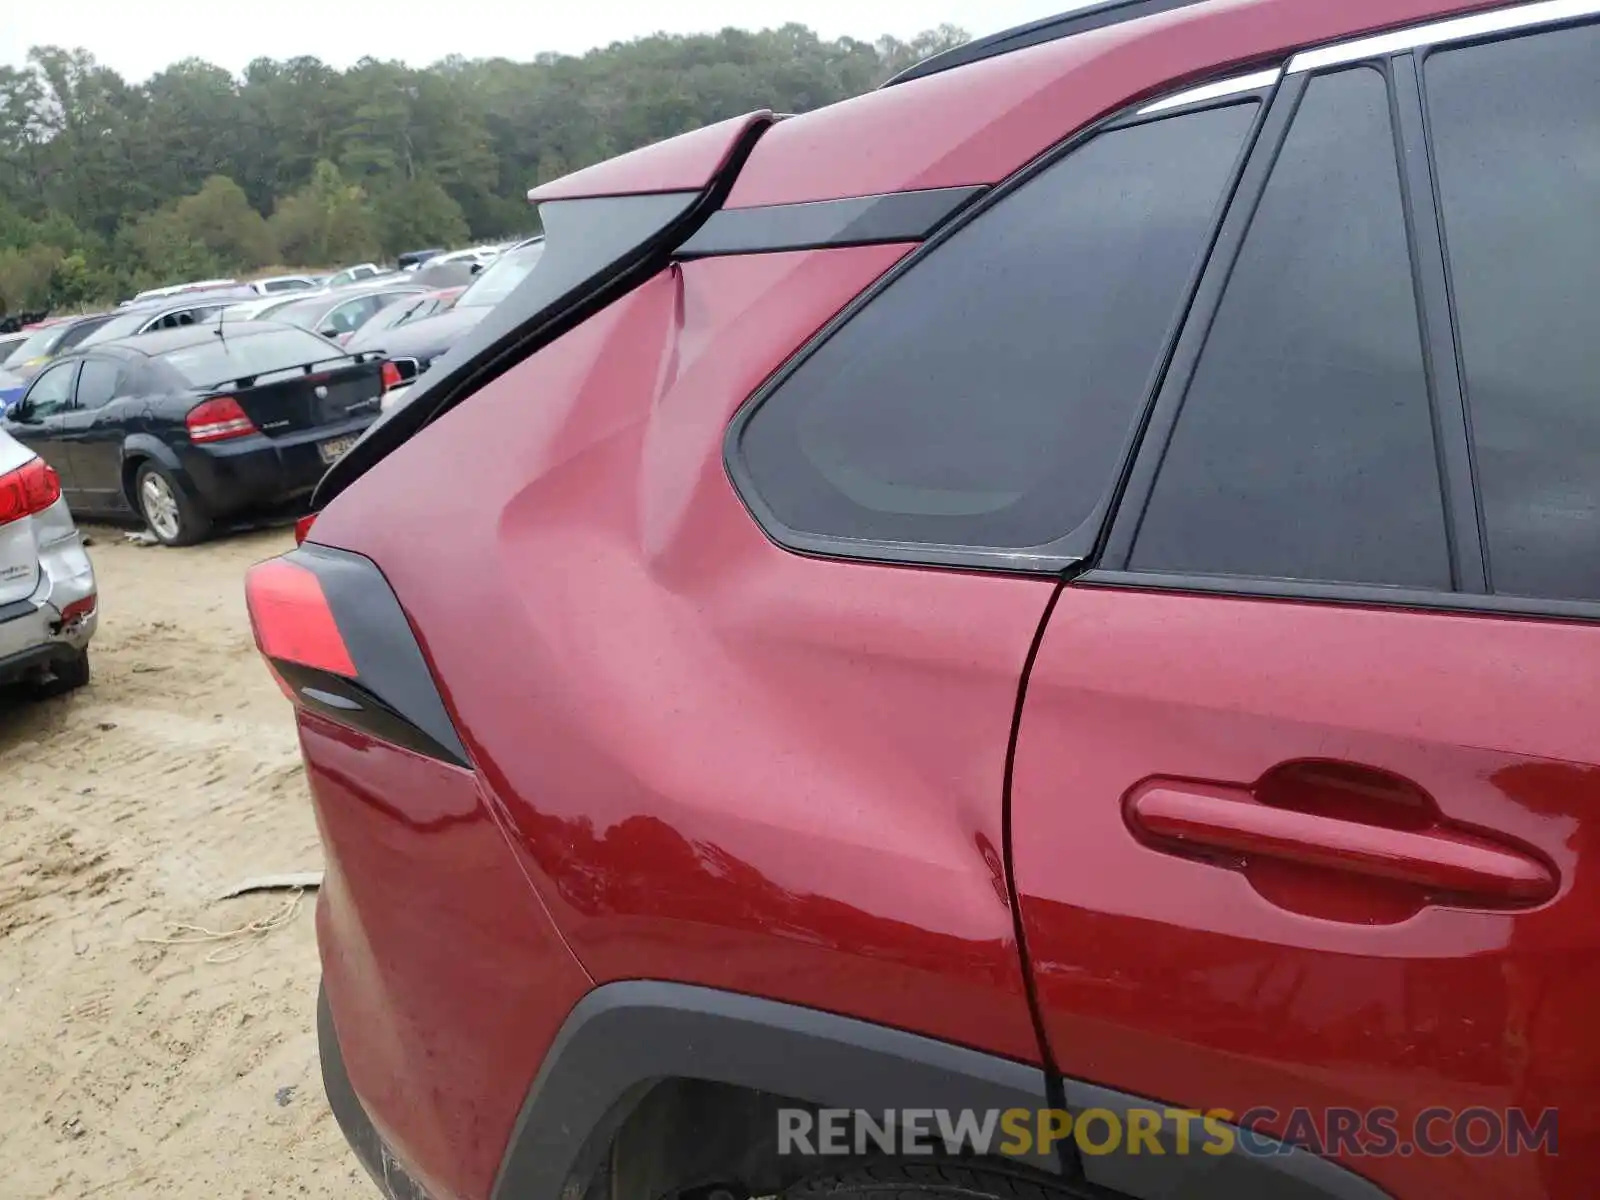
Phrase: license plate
pixel 332 451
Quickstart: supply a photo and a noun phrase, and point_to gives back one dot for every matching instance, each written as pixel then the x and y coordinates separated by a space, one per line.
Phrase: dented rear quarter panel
pixel 720 763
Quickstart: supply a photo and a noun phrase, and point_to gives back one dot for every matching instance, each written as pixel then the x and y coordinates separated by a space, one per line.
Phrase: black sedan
pixel 188 428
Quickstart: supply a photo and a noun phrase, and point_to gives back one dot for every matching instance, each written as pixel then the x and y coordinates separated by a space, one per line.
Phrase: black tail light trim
pixel 393 696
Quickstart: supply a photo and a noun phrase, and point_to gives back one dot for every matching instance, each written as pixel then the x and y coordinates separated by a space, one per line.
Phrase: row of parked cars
pixel 344 308
pixel 199 407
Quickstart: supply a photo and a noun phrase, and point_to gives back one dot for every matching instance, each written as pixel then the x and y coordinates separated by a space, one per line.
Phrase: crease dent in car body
pixel 1029 600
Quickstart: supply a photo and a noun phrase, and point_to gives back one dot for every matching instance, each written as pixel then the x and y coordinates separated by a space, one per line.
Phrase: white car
pixel 356 274
pixel 255 310
pixel 9 342
pixel 161 293
pixel 482 255
pixel 49 604
pixel 276 284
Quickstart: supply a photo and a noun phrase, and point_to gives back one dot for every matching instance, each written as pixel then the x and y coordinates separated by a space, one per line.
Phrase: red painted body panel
pixel 1207 986
pixel 446 978
pixel 979 123
pixel 725 764
pixel 705 759
pixel 686 163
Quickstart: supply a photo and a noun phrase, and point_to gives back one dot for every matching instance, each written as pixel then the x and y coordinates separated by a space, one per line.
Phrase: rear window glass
pixel 42 342
pixel 225 359
pixel 303 312
pixel 982 399
pixel 501 276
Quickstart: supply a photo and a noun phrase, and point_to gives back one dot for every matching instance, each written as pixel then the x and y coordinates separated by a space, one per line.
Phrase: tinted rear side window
pixel 1516 129
pixel 97 383
pixel 226 359
pixel 1304 449
pixel 78 333
pixel 983 399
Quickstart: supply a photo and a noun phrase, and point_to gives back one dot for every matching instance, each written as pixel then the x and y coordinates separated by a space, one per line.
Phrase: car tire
pixel 66 676
pixel 928 1181
pixel 169 512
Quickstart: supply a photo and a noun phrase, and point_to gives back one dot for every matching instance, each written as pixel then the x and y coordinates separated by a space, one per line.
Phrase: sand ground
pixel 128 1067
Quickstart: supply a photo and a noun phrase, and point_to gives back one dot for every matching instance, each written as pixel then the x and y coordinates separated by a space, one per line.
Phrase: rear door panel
pixel 1290 624
pixel 1212 984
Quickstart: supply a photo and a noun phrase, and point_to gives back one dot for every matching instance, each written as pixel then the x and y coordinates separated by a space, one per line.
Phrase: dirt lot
pixel 129 1067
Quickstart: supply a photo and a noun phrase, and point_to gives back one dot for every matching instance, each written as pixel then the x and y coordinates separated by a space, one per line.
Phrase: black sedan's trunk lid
pixel 301 398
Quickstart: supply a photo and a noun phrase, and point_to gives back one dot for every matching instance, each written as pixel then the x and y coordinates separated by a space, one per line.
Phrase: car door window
pixel 983 399
pixel 1304 449
pixel 1516 139
pixel 77 333
pixel 97 383
pixel 341 319
pixel 51 393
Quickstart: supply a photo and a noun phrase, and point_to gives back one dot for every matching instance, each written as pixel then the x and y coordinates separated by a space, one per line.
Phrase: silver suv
pixel 48 600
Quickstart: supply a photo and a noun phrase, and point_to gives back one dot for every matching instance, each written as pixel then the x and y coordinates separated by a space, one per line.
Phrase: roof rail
pixel 1050 29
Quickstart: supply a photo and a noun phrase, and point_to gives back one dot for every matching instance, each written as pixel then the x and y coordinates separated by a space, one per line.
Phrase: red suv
pixel 930 640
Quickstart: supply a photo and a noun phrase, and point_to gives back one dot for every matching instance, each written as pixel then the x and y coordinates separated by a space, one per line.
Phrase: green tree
pixel 219 217
pixel 416 213
pixel 190 128
pixel 326 222
pixel 158 250
pixel 25 277
pixel 107 183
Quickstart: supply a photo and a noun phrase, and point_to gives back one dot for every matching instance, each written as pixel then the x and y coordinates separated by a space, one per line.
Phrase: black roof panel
pixel 163 341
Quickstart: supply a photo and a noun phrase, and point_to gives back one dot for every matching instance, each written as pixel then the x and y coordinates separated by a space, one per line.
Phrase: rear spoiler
pixel 245 382
pixel 608 229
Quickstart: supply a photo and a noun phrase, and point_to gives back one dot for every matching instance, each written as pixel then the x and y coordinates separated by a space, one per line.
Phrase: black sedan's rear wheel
pixel 167 509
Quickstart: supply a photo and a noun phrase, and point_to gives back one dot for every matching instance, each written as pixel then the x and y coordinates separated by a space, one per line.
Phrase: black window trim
pixel 71 366
pixel 825 224
pixel 116 364
pixel 1441 345
pixel 1442 362
pixel 1116 551
pixel 1033 561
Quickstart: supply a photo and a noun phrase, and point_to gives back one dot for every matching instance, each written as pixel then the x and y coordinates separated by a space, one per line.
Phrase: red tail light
pixel 391 376
pixel 302 528
pixel 217 420
pixel 78 609
pixel 293 622
pixel 31 488
pixel 340 646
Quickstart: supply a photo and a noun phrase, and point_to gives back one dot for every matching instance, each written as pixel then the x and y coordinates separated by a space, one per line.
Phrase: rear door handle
pixel 1441 860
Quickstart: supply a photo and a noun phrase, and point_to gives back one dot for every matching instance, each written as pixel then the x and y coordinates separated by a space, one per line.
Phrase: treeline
pixel 107 187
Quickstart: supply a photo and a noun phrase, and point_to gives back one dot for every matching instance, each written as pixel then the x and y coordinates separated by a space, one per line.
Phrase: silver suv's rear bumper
pixel 32 634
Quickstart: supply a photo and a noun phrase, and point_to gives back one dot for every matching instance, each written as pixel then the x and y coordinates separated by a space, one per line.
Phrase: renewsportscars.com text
pixel 1015 1132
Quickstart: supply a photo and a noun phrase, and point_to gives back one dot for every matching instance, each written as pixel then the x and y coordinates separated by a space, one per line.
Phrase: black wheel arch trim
pixel 624 1036
pixel 140 446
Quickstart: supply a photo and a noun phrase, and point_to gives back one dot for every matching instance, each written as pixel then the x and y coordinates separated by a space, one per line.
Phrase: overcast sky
pixel 140 39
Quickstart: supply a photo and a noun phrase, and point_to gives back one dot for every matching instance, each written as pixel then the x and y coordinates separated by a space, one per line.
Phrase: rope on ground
pixel 236 942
